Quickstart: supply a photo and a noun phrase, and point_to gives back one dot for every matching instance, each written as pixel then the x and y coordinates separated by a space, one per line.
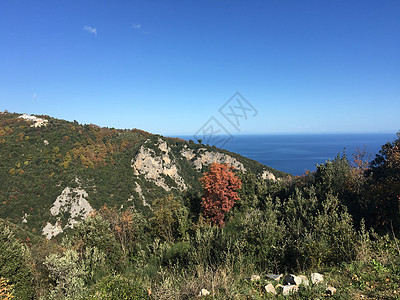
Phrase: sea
pixel 297 153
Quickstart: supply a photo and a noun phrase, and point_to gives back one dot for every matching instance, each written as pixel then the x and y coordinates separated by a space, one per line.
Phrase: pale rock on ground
pixel 255 278
pixel 25 218
pixel 304 280
pixel 316 278
pixel 204 293
pixel 138 190
pixel 330 290
pixel 269 288
pixel 288 289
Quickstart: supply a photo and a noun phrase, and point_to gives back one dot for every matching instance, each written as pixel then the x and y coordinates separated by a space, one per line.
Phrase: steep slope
pixel 53 172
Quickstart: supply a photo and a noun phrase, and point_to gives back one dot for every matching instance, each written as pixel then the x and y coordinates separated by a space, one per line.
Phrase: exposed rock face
pixel 155 167
pixel 268 175
pixel 52 230
pixel 72 202
pixel 138 190
pixel 188 153
pixel 207 158
pixel 202 158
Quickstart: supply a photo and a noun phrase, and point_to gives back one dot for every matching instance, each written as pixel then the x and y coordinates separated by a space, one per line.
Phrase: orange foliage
pixel 141 132
pixel 220 185
pixel 6 289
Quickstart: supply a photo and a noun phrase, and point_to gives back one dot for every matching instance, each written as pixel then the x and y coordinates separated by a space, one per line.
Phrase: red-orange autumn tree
pixel 220 185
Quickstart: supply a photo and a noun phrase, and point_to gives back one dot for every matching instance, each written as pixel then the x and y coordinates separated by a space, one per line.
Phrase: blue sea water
pixel 296 153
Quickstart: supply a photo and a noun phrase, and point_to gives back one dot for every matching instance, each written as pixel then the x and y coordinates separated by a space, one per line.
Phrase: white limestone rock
pixel 316 278
pixel 51 230
pixel 288 289
pixel 204 293
pixel 207 158
pixel 154 167
pixel 72 202
pixel 270 289
pixel 268 175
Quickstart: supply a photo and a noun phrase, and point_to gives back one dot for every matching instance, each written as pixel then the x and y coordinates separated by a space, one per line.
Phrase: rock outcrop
pixel 156 167
pixel 268 175
pixel 138 190
pixel 203 158
pixel 70 202
pixel 207 158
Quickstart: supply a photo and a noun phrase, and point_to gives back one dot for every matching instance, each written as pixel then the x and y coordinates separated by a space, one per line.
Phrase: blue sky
pixel 168 66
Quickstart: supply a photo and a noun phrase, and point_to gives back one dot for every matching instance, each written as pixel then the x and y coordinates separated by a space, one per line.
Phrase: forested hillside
pixel 148 217
pixel 52 174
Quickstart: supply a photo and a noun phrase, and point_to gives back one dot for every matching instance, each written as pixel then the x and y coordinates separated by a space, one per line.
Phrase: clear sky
pixel 168 66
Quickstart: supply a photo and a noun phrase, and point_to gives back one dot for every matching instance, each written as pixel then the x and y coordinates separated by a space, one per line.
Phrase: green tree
pixel 93 239
pixel 170 218
pixel 383 191
pixel 13 264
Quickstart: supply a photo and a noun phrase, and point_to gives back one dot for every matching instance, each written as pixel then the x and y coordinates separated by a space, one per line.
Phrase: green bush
pixel 68 275
pixel 118 287
pixel 13 264
pixel 177 253
pixel 94 236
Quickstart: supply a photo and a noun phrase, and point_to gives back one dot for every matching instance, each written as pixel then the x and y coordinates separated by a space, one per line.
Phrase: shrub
pixel 93 235
pixel 13 264
pixel 67 273
pixel 177 254
pixel 119 287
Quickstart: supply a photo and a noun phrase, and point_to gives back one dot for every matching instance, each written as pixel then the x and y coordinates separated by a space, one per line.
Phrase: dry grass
pixel 175 284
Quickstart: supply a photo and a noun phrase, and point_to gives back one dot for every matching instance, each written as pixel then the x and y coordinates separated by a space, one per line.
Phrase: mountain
pixel 53 172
